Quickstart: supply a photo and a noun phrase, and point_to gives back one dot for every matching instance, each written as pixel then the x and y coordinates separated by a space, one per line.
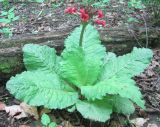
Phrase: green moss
pixel 5 68
pixel 7 64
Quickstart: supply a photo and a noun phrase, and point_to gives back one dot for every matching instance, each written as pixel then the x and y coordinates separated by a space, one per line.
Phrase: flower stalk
pixel 84 25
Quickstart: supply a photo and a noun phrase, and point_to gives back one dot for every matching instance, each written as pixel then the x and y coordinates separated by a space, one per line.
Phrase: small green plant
pixel 7 17
pixel 6 31
pixel 94 3
pixel 136 4
pixel 154 6
pixel 39 1
pixel 46 121
pixel 57 4
pixel 5 3
pixel 84 77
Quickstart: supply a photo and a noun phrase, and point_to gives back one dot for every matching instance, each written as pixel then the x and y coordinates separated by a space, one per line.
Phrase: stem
pixel 76 89
pixel 145 23
pixel 82 33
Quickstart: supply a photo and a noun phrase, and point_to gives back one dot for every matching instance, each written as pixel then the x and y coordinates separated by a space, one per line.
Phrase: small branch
pixel 131 31
pixel 152 110
pixel 145 23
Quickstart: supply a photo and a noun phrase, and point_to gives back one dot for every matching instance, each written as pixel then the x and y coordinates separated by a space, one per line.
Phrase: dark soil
pixel 38 18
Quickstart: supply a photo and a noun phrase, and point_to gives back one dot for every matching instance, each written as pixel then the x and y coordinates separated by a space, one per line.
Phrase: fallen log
pixel 119 40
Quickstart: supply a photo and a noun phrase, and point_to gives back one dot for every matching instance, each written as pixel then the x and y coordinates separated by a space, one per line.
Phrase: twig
pixel 145 23
pixel 152 110
pixel 130 31
pixel 148 79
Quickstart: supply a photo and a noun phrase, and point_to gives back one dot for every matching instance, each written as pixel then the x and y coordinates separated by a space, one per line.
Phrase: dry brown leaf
pixel 44 110
pixel 2 24
pixel 20 111
pixel 65 124
pixel 16 111
pixel 139 122
pixel 31 110
pixel 2 106
pixel 24 126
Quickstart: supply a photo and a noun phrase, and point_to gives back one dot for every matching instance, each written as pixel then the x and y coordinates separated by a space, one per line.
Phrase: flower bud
pixel 70 10
pixel 84 15
pixel 100 14
pixel 100 22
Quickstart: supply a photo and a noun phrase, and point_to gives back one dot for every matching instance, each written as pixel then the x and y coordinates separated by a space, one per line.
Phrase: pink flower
pixel 100 14
pixel 84 15
pixel 100 22
pixel 70 10
pixel 82 10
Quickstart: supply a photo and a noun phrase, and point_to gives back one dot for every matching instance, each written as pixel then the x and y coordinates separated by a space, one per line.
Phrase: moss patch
pixel 7 64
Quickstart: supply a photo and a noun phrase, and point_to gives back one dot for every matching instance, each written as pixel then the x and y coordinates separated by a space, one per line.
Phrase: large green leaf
pixel 116 76
pixel 91 42
pixel 98 110
pixel 91 36
pixel 38 57
pixel 124 87
pixel 127 65
pixel 78 69
pixel 39 88
pixel 121 105
pixel 81 65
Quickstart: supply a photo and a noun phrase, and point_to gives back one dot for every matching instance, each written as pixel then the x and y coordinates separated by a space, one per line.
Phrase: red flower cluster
pixel 99 16
pixel 70 10
pixel 85 16
pixel 82 12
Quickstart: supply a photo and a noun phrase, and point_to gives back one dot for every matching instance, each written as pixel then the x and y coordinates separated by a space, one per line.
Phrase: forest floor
pixel 35 18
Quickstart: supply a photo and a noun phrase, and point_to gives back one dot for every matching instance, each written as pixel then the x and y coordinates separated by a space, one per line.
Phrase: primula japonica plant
pixel 84 77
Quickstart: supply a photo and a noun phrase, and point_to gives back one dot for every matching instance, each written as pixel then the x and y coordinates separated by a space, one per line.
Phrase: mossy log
pixel 119 40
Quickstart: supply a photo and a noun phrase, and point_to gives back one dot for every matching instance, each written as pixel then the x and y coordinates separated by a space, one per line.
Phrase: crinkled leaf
pixel 121 105
pixel 38 57
pixel 98 110
pixel 91 42
pixel 82 66
pixel 77 69
pixel 41 89
pixel 108 57
pixel 116 76
pixel 122 86
pixel 127 65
